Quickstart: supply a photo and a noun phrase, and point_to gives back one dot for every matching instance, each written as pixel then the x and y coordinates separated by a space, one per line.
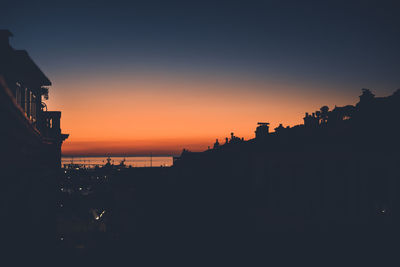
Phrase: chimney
pixel 4 39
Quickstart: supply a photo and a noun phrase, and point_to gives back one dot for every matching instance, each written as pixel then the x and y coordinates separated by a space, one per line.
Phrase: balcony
pixel 49 124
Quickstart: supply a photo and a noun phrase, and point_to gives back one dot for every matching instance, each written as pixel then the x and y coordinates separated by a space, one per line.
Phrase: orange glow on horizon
pixel 137 115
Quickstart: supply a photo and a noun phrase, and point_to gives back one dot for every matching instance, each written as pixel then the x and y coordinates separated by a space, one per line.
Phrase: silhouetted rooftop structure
pixel 24 87
pixel 262 130
pixel 216 144
pixel 279 129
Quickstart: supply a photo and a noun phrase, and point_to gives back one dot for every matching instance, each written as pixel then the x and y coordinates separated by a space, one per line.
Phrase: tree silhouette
pixel 366 95
pixel 324 113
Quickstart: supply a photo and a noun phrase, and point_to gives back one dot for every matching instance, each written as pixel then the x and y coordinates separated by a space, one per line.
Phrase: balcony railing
pixel 49 124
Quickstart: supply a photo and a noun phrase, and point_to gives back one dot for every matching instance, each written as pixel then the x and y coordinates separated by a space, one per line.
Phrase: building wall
pixel 28 171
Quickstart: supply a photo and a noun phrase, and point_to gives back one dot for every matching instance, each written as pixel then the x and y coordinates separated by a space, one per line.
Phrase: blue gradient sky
pixel 324 51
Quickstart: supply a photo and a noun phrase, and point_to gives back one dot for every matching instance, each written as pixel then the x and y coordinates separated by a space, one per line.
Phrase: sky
pixel 159 76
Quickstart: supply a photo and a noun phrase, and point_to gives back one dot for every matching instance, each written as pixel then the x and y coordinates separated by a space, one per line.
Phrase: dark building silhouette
pixel 30 141
pixel 24 86
pixel 262 130
pixel 280 129
pixel 216 144
pixel 337 170
pixel 311 121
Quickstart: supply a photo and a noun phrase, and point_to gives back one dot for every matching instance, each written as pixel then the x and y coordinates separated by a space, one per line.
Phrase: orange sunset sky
pixel 162 114
pixel 141 77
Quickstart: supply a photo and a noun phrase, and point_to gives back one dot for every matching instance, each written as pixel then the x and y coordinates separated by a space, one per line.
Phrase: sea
pixel 134 161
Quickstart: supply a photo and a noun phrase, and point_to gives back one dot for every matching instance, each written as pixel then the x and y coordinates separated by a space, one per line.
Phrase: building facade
pixel 30 154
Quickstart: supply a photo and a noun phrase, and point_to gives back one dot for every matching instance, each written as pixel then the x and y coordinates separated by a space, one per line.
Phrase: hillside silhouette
pixel 325 190
pixel 338 168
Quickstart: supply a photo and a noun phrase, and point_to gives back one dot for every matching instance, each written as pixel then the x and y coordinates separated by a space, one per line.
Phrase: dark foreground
pixel 153 217
pixel 322 193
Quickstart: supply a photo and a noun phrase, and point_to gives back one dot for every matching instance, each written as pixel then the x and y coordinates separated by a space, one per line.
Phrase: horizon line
pixel 118 155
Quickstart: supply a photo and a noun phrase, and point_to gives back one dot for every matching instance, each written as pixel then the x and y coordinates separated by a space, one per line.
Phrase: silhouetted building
pixel 216 144
pixel 340 114
pixel 262 130
pixel 30 141
pixel 338 169
pixel 234 139
pixel 23 87
pixel 279 129
pixel 311 121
